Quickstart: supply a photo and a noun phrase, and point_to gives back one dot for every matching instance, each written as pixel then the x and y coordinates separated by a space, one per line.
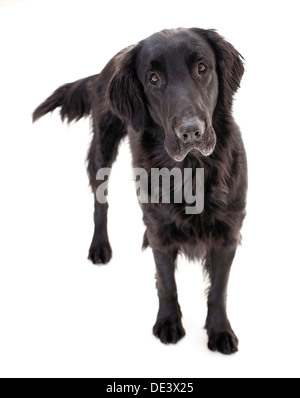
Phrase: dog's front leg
pixel 168 327
pixel 220 334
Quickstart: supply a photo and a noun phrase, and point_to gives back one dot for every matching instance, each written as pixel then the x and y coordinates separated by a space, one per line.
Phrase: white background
pixel 62 316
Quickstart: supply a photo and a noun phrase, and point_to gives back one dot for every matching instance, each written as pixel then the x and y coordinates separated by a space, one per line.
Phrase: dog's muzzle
pixel 194 134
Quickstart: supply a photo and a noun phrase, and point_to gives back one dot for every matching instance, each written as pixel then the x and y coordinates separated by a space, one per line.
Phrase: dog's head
pixel 176 78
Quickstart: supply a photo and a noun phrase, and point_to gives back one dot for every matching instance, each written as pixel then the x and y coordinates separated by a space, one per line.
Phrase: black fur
pixel 172 94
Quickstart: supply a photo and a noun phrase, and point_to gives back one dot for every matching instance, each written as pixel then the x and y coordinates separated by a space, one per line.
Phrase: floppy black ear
pixel 229 64
pixel 125 94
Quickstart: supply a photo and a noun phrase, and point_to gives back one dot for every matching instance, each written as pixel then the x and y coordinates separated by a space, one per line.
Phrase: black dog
pixel 172 94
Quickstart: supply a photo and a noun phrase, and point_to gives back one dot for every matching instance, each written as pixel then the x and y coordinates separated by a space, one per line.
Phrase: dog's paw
pixel 168 330
pixel 101 253
pixel 224 342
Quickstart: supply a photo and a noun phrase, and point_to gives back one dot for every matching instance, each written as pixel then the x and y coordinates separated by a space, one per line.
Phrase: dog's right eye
pixel 154 79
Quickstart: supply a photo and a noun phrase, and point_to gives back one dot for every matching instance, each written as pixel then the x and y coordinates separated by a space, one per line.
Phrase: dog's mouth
pixel 204 148
pixel 178 149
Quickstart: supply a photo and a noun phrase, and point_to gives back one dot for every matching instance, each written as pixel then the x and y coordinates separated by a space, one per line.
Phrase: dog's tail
pixel 72 98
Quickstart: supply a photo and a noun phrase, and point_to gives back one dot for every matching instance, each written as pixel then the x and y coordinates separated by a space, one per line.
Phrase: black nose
pixel 190 131
pixel 191 136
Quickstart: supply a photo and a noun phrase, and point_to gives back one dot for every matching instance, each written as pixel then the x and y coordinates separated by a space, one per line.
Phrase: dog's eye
pixel 201 68
pixel 154 79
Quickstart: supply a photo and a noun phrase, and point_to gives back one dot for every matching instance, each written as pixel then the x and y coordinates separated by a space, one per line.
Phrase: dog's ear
pixel 125 93
pixel 229 65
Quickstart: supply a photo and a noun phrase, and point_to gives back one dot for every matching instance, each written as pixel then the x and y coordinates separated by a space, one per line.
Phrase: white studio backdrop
pixel 61 316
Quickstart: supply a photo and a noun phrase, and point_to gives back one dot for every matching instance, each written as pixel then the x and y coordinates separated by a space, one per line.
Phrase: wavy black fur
pixel 158 116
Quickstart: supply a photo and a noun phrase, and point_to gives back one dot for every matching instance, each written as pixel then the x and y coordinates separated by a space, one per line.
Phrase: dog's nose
pixel 191 131
pixel 191 136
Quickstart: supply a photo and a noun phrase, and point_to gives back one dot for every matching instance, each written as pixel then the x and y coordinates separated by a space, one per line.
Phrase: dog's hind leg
pixel 103 151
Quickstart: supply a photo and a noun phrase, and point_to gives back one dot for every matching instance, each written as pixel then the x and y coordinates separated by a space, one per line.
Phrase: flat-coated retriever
pixel 172 94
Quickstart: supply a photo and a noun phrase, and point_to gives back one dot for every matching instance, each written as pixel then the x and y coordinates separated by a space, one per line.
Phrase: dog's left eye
pixel 154 79
pixel 201 68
